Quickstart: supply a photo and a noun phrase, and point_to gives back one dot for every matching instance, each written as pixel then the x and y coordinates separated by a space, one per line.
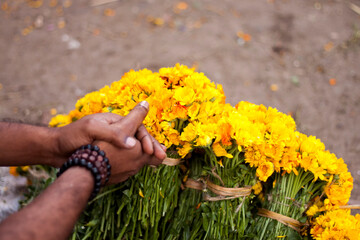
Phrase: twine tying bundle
pixel 171 161
pixel 290 222
pixel 223 193
pixel 350 207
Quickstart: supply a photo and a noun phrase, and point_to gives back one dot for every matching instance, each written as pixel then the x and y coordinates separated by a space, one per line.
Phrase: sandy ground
pixel 301 57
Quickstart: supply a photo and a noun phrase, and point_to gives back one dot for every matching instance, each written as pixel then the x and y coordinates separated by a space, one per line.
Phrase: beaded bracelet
pixel 93 159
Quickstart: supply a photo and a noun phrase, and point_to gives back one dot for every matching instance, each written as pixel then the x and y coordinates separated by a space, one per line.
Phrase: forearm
pixel 57 208
pixel 22 144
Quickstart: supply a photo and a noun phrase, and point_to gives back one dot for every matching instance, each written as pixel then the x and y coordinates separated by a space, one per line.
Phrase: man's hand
pixel 111 128
pixel 126 162
pixel 62 202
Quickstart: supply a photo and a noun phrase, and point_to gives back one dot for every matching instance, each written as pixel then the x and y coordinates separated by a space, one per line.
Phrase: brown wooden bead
pixel 97 164
pixel 92 158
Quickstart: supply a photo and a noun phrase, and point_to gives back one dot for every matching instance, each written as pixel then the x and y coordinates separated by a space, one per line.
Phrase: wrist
pixel 55 157
pixel 81 177
pixel 92 159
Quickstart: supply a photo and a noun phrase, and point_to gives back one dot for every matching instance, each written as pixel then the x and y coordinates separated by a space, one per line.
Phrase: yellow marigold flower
pixel 189 133
pixel 60 120
pixel 184 95
pixel 312 210
pixel 220 151
pixel 312 145
pixel 193 110
pixel 318 172
pixel 224 132
pixel 221 163
pixel 336 224
pixel 184 150
pixel 25 168
pixel 264 171
pixel 327 161
pixel 203 140
pixel 13 171
pixel 257 188
pixel 339 193
pixel 206 134
pixel 253 155
pixel 141 193
pixel 173 136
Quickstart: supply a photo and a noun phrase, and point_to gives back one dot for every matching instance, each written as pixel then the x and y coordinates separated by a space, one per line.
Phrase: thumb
pixel 131 122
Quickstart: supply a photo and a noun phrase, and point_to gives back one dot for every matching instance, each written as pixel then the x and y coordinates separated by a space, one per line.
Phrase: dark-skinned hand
pixel 106 127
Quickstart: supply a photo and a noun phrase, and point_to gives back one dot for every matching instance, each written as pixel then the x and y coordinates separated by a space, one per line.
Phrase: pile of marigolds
pixel 244 171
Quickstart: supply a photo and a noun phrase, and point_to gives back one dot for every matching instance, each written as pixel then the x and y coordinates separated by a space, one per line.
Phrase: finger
pixel 131 122
pixel 102 131
pixel 146 140
pixel 154 161
pixel 163 147
pixel 108 118
pixel 159 152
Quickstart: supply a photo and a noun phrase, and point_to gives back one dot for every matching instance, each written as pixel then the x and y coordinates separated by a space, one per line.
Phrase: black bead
pixel 108 173
pixel 95 170
pixel 107 179
pixel 65 165
pixel 76 161
pixel 88 146
pixel 98 177
pixel 82 147
pixel 89 165
pixel 106 160
pixel 96 190
pixel 108 167
pixel 96 148
pixel 70 162
pixel 98 184
pixel 82 162
pixel 102 153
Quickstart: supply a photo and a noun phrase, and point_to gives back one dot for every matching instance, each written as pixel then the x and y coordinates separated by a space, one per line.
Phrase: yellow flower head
pixel 257 188
pixel 336 224
pixel 264 171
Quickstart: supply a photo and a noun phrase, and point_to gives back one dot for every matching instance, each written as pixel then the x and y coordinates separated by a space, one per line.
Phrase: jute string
pixel 290 222
pixel 171 161
pixel 223 193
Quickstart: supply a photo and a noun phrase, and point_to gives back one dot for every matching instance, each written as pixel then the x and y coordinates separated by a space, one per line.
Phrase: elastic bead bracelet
pixel 93 159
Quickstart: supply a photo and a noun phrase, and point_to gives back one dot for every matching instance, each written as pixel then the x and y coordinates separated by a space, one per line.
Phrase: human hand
pixel 126 162
pixel 107 127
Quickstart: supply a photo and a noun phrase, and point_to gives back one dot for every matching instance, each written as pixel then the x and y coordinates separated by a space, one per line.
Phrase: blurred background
pixel 301 57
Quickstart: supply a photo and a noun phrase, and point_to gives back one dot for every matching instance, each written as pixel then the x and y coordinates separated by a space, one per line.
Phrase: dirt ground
pixel 301 57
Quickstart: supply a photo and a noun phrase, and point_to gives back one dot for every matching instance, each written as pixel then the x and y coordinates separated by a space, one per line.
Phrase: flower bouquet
pixel 231 172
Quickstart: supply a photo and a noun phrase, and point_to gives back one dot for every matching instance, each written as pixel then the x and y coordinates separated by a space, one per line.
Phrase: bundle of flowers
pixel 336 224
pixel 296 174
pixel 244 171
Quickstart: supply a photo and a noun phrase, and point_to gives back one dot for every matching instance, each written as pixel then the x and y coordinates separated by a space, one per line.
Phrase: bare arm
pixel 22 144
pixel 53 214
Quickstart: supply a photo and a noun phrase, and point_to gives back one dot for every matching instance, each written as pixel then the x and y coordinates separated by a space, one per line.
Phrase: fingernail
pixel 144 104
pixel 130 142
pixel 163 147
